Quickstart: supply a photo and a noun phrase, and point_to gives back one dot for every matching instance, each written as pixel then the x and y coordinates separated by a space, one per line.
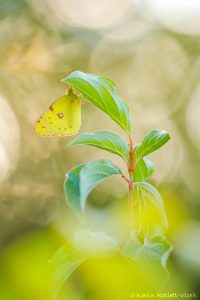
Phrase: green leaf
pixel 69 257
pixel 148 211
pixel 83 178
pixel 152 141
pixel 104 140
pixel 100 91
pixel 144 169
pixel 152 254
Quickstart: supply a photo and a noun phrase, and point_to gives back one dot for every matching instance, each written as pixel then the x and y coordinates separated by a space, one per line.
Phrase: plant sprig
pixel 148 221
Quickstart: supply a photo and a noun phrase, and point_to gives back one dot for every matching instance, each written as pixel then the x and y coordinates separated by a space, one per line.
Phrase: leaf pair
pixel 114 143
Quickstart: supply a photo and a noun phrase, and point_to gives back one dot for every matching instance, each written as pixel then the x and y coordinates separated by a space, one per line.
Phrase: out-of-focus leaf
pixel 148 211
pixel 94 241
pixel 144 169
pixel 104 140
pixel 84 177
pixel 151 254
pixel 68 258
pixel 101 92
pixel 152 141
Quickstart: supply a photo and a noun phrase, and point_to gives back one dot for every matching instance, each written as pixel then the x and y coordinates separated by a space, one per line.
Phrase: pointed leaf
pixel 83 178
pixel 100 91
pixel 152 141
pixel 148 211
pixel 144 169
pixel 104 140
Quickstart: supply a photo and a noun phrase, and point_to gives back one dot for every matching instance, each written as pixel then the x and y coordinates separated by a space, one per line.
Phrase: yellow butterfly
pixel 62 118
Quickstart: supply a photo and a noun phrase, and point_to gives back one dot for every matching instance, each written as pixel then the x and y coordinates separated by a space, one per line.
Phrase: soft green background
pixel 153 55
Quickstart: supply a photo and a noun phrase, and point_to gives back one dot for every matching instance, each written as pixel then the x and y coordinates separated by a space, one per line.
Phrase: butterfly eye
pixel 60 115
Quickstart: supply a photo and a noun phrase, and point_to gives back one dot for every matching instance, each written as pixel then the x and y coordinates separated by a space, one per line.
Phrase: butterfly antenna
pixel 69 71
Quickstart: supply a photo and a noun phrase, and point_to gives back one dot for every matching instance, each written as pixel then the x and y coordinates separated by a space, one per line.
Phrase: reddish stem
pixel 131 166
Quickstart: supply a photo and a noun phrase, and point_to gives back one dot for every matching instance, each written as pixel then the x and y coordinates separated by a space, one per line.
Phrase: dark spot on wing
pixel 51 108
pixel 60 115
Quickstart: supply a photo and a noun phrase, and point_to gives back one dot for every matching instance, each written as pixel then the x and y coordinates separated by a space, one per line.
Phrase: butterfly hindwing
pixel 40 127
pixel 62 118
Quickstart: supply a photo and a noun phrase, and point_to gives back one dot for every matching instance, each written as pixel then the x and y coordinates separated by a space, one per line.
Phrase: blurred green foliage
pixel 156 69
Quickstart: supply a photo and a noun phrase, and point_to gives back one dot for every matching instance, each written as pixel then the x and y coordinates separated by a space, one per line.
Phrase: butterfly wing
pixel 40 127
pixel 62 118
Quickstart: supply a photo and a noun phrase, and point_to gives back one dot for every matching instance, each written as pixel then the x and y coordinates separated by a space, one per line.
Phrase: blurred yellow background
pixel 151 49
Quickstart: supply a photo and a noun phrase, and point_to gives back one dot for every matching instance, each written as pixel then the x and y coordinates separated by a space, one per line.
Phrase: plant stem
pixel 131 167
